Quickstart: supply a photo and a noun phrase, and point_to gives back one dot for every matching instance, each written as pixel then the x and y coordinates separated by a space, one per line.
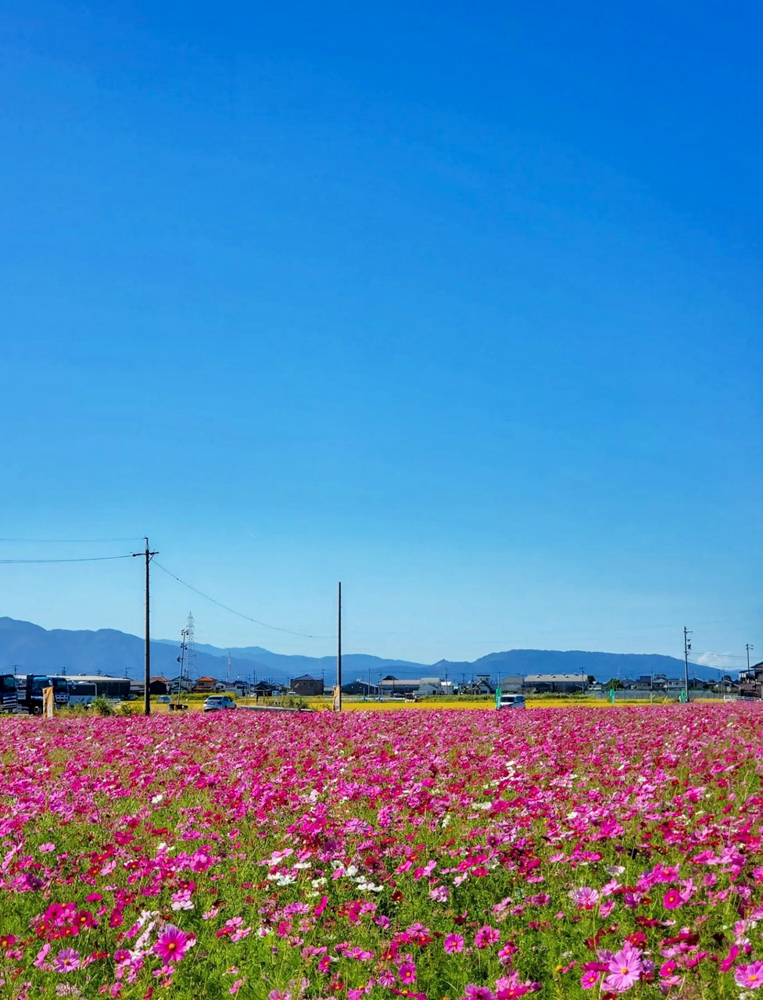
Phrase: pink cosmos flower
pixel 585 897
pixel 236 986
pixel 42 954
pixel 589 979
pixel 727 963
pixel 172 944
pixel 750 977
pixel 453 943
pixel 46 848
pixel 407 973
pixel 67 960
pixel 672 899
pixel 625 968
pixel 485 936
pixel 474 992
pixel 511 987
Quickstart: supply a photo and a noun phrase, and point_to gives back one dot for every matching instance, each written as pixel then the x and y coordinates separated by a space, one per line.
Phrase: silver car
pixel 218 702
pixel 512 701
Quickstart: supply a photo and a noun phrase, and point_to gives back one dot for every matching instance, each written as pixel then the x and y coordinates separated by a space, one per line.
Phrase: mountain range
pixel 28 648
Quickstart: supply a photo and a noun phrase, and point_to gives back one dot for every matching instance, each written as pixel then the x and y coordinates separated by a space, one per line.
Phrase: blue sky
pixel 458 304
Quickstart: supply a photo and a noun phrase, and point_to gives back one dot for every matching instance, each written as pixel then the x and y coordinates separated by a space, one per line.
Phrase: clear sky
pixel 458 303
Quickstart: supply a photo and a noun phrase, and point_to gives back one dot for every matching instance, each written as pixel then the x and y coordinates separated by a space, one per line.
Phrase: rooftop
pixel 556 678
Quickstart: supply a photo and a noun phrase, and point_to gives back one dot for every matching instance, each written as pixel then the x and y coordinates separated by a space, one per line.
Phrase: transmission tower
pixel 190 649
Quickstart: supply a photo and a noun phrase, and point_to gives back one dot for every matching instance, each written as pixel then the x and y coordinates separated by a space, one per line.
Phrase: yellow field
pixel 350 704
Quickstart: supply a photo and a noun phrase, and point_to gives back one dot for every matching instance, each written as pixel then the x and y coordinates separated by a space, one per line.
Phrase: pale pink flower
pixel 625 968
pixel 585 897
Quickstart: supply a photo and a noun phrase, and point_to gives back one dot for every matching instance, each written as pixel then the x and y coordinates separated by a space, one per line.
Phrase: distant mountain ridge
pixel 30 647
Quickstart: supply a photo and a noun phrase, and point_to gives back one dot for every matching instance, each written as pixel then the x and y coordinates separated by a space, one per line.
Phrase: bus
pixel 9 700
pixel 111 688
pixel 29 689
pixel 81 692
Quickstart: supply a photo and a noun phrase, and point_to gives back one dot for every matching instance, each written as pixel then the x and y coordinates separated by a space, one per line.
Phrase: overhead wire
pixel 240 614
pixel 6 562
pixel 69 541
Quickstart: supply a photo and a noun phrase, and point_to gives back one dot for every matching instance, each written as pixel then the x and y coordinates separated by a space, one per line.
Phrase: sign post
pixel 47 702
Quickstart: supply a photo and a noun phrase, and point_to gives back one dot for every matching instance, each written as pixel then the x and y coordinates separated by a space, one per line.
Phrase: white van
pixel 512 701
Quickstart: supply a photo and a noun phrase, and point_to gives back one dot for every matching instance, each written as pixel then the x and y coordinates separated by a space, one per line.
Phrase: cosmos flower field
pixel 481 855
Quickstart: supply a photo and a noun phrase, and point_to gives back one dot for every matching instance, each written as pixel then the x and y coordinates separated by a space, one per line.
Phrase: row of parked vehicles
pixel 23 692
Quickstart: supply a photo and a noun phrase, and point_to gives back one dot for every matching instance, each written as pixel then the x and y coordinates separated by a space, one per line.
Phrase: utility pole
pixel 748 647
pixel 339 650
pixel 148 554
pixel 687 650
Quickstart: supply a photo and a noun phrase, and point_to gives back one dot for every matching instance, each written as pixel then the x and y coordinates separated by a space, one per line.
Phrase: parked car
pixel 217 702
pixel 512 701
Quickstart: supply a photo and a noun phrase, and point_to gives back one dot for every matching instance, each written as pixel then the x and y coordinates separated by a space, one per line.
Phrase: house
pixel 306 685
pixel 361 687
pixel 158 685
pixel 394 685
pixel 265 689
pixel 180 685
pixel 205 685
pixel 433 686
pixel 556 683
pixel 511 685
pixel 751 681
pixel 481 686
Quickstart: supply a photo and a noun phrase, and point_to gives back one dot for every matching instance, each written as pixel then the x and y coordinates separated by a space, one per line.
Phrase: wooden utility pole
pixel 339 650
pixel 687 650
pixel 147 693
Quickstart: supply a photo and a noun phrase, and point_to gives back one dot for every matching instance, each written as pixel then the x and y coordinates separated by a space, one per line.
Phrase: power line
pixel 69 541
pixel 7 562
pixel 240 614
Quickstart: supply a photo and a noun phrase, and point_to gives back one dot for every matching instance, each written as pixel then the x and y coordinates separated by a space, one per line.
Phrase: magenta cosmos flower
pixel 453 943
pixel 474 992
pixel 171 944
pixel 749 976
pixel 407 973
pixel 485 936
pixel 672 899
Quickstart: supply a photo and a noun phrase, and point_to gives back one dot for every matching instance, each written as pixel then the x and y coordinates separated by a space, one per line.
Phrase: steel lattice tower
pixel 190 649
